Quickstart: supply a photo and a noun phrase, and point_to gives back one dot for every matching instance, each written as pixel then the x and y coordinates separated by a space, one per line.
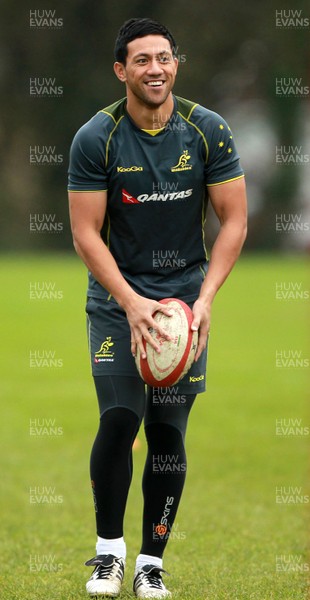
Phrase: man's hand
pixel 140 317
pixel 87 212
pixel 201 323
pixel 229 203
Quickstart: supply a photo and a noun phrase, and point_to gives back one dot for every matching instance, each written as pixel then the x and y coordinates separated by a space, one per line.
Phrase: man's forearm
pixel 99 260
pixel 139 310
pixel 225 252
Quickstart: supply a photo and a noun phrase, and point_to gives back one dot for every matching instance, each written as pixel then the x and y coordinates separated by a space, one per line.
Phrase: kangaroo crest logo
pixel 104 353
pixel 183 163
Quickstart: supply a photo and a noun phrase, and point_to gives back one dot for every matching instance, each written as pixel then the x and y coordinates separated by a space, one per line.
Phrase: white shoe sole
pixel 93 589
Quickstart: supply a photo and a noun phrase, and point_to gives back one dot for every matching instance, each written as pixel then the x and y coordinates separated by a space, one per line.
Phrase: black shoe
pixel 107 577
pixel 148 583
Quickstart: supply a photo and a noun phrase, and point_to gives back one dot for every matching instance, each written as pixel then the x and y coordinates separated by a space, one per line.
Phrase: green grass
pixel 229 529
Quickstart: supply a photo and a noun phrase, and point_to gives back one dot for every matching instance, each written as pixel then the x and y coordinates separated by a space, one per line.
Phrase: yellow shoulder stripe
pixel 227 181
pixel 107 113
pixel 110 137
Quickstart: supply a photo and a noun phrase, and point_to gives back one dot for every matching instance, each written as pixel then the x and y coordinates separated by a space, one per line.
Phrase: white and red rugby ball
pixel 177 355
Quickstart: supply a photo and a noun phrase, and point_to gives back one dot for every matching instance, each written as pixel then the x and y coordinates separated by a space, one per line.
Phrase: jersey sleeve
pixel 223 162
pixel 87 172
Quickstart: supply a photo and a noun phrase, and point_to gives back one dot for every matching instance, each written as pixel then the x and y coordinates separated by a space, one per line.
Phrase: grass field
pixel 232 540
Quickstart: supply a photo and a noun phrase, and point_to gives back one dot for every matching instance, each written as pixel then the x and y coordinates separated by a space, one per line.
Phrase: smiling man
pixel 141 172
pixel 149 72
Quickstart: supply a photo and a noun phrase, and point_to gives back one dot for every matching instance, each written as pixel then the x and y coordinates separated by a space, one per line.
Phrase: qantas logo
pixel 129 199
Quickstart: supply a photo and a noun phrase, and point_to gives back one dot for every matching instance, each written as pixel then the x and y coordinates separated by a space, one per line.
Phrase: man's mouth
pixel 155 83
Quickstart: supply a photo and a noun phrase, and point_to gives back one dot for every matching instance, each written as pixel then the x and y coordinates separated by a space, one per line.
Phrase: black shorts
pixel 109 347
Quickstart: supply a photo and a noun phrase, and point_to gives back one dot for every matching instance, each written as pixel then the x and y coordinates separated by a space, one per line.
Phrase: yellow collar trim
pixel 153 131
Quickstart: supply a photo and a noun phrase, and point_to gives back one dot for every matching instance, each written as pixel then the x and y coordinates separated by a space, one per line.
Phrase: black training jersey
pixel 157 192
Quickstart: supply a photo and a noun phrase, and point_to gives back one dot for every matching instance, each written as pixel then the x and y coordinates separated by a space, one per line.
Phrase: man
pixel 140 174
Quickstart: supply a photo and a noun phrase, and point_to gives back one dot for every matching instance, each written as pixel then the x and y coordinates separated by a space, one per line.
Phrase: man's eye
pixel 164 59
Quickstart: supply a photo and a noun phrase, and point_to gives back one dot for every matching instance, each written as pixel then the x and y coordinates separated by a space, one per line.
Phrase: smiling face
pixel 149 72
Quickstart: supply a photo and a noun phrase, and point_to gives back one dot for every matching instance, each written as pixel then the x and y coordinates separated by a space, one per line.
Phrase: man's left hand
pixel 201 323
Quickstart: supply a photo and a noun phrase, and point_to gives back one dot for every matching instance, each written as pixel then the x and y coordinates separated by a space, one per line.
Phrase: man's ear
pixel 119 70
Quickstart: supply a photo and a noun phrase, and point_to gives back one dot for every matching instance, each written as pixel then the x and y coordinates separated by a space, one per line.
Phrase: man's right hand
pixel 140 313
pixel 87 212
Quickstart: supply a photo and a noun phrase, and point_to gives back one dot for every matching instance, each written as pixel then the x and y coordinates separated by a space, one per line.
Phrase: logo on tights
pixel 162 527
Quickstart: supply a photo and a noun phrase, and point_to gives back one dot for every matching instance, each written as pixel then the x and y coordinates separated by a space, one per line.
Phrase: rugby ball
pixel 177 355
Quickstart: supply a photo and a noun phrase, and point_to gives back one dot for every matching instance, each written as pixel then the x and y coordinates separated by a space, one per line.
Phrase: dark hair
pixel 136 28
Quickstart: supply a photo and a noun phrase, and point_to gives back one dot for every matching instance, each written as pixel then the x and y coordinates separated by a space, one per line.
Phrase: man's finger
pixel 201 346
pixel 168 312
pixel 202 343
pixel 133 347
pixel 160 331
pixel 164 309
pixel 154 342
pixel 195 325
pixel 139 344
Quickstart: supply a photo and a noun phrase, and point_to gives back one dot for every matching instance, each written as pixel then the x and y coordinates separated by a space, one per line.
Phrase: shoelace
pixel 105 572
pixel 154 580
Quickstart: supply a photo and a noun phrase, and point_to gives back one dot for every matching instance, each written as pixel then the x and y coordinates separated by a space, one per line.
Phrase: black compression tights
pixel 123 403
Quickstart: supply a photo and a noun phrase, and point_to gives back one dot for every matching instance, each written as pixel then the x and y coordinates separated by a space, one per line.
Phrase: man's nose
pixel 154 67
